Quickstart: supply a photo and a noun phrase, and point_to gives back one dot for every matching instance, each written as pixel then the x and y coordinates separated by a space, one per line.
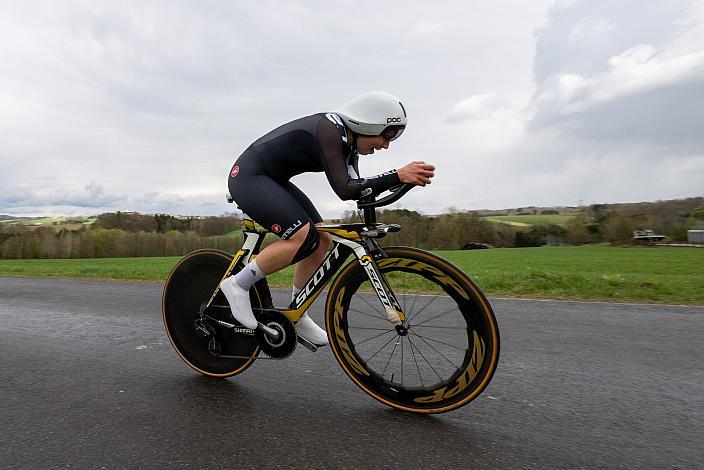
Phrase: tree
pixel 577 232
pixel 698 213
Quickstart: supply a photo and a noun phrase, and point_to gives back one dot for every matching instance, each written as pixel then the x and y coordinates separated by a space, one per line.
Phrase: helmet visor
pixel 392 132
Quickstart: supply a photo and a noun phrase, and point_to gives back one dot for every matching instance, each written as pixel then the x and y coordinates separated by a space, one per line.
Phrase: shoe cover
pixel 239 303
pixel 309 330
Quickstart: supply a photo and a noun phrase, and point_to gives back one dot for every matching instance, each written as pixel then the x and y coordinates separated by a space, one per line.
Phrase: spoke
pixel 415 298
pixel 389 361
pixel 375 336
pixel 368 328
pixel 376 317
pixel 444 357
pixel 410 310
pixel 438 341
pixel 426 360
pixel 387 343
pixel 424 307
pixel 374 309
pixel 433 326
pixel 436 317
pixel 416 361
pixel 402 359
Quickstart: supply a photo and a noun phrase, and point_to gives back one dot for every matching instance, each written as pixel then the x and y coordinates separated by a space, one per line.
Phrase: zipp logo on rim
pixel 393 119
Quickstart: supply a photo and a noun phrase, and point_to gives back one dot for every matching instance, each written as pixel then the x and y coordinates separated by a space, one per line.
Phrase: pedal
pixel 307 343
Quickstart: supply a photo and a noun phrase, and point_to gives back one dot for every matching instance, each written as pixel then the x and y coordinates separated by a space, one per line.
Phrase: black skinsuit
pixel 259 179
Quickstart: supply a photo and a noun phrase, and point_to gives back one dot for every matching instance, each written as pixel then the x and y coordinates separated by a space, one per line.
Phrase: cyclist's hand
pixel 418 173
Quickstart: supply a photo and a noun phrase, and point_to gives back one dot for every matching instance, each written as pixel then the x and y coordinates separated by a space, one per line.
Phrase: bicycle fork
pixel 394 312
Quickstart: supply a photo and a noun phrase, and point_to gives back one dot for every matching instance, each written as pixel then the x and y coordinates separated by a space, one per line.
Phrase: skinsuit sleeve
pixel 334 162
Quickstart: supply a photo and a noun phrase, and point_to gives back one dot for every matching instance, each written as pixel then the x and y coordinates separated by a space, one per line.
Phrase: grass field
pixel 666 275
pixel 54 222
pixel 526 220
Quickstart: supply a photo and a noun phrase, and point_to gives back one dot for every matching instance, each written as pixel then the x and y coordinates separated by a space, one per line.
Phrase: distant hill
pixel 12 217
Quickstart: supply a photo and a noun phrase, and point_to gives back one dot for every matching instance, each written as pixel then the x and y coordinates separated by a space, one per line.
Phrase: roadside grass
pixel 233 234
pixel 124 269
pixel 639 274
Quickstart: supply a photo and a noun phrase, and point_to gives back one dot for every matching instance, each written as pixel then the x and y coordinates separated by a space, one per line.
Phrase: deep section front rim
pixel 451 348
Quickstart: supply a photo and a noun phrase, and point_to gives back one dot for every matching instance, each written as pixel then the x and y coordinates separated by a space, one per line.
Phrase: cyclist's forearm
pixel 379 183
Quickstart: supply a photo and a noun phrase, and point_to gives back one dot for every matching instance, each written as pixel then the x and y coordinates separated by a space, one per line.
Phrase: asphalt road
pixel 89 380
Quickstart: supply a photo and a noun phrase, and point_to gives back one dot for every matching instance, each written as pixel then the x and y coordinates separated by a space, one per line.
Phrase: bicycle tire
pixel 190 284
pixel 474 363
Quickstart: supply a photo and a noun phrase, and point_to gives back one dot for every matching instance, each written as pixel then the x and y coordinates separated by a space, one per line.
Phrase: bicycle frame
pixel 346 240
pixel 232 348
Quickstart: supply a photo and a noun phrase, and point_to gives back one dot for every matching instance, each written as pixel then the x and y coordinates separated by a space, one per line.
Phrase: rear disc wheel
pixel 187 290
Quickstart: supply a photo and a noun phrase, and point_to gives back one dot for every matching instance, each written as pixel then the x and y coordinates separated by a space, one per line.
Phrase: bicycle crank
pixel 276 335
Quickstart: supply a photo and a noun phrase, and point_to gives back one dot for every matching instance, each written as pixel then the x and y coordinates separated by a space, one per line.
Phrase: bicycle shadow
pixel 227 392
pixel 309 431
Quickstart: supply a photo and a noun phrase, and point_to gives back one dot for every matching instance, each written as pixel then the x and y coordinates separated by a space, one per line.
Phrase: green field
pixel 60 222
pixel 558 219
pixel 645 274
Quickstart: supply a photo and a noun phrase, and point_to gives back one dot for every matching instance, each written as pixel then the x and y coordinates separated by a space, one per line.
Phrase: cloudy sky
pixel 144 105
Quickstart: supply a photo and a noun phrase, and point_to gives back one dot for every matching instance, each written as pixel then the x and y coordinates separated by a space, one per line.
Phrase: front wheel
pixel 449 351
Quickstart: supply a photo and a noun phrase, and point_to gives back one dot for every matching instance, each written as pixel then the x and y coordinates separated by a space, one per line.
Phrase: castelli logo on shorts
pixel 235 170
pixel 276 228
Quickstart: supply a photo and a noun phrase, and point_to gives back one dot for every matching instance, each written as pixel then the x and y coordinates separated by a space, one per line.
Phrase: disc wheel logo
pixel 235 170
pixel 276 228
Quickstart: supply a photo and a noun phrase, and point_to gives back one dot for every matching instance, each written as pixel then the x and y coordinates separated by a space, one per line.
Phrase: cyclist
pixel 324 142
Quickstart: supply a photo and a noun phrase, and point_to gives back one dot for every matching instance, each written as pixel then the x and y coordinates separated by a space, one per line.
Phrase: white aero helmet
pixel 374 113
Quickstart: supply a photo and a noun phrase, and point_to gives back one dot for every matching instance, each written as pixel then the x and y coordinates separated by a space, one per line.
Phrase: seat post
pixel 369 215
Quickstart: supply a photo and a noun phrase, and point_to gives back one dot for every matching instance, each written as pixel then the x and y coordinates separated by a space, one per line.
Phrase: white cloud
pixel 152 102
pixel 425 28
pixel 634 71
pixel 476 107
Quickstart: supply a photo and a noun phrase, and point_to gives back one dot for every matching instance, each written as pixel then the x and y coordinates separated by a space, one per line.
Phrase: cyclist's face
pixel 367 144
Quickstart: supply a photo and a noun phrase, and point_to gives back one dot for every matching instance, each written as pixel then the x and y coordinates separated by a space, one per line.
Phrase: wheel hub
pixel 401 330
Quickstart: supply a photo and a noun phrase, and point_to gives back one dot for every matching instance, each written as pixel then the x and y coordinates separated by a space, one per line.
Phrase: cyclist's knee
pixel 325 241
pixel 309 244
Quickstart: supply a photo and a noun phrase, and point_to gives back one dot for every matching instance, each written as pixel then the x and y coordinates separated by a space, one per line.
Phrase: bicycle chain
pixel 262 355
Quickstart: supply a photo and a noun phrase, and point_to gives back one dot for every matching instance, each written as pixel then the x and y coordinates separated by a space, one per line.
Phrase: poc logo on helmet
pixel 393 119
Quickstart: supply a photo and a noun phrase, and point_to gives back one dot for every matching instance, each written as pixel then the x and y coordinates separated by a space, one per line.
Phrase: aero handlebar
pixel 397 192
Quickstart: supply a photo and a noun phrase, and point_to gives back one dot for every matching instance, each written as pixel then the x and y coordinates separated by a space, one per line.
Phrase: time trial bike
pixel 408 327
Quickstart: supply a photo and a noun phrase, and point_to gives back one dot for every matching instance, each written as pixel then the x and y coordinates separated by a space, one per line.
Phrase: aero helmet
pixel 374 113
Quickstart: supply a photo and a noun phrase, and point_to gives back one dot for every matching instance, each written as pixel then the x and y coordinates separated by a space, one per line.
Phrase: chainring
pixel 286 343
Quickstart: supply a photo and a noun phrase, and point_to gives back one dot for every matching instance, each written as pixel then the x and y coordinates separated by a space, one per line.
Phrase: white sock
pixel 249 275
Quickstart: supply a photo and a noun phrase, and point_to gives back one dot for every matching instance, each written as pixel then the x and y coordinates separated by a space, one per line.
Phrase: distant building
pixel 695 236
pixel 647 236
